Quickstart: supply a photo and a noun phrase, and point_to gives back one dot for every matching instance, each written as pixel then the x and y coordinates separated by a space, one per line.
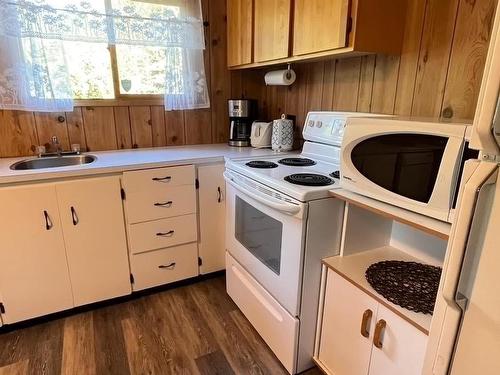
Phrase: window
pixel 55 51
pixel 101 71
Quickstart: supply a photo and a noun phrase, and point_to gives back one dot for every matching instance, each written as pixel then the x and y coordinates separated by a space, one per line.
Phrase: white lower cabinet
pixel 211 195
pixel 94 234
pixel 360 336
pixel 62 245
pixel 34 277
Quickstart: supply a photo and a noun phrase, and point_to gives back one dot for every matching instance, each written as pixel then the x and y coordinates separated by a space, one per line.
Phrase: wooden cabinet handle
pixel 365 321
pixel 378 332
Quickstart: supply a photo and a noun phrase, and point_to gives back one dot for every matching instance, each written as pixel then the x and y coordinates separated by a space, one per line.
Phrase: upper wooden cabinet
pixel 319 25
pixel 239 32
pixel 272 29
pixel 282 31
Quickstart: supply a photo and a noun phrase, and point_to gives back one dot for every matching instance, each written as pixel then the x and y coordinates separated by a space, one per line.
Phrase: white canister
pixel 282 139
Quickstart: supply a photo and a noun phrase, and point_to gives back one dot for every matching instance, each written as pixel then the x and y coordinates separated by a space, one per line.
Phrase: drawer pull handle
pixel 74 216
pixel 164 204
pixel 48 221
pixel 219 195
pixel 170 233
pixel 378 332
pixel 162 179
pixel 170 266
pixel 367 317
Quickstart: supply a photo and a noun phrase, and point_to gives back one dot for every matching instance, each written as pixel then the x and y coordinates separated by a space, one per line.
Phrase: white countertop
pixel 125 160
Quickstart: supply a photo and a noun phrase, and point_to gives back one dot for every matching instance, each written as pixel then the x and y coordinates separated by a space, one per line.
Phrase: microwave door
pixel 486 131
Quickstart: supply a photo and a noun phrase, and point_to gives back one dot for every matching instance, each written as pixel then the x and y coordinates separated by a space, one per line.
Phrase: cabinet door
pixel 272 29
pixel 403 347
pixel 212 195
pixel 34 278
pixel 239 32
pixel 343 349
pixel 319 25
pixel 94 233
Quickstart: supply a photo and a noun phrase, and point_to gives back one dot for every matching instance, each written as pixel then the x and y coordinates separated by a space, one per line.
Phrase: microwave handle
pixel 283 207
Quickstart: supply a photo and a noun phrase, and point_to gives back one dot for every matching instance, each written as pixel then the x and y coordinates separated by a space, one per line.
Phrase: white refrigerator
pixel 465 332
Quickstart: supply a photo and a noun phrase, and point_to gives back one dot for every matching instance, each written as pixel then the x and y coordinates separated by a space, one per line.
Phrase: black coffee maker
pixel 241 116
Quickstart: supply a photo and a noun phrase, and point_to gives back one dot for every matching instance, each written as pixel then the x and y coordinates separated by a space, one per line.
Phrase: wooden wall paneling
pixel 158 126
pixel 174 128
pixel 415 14
pixel 140 123
pixel 296 102
pixel 366 76
pixel 385 81
pixel 197 126
pixel 345 93
pixel 219 74
pixel 434 57
pixel 314 86
pixel 254 87
pixel 468 56
pixel 99 124
pixel 76 131
pixel 276 98
pixel 48 125
pixel 328 85
pixel 122 128
pixel 236 84
pixel 17 133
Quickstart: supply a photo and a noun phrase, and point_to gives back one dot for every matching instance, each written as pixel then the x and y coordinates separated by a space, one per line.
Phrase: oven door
pixel 265 234
pixel 410 164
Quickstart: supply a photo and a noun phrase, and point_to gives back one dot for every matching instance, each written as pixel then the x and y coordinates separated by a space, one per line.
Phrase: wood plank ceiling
pixel 438 73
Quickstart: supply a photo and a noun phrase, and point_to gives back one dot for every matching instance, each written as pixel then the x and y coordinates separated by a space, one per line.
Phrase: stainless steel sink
pixel 52 162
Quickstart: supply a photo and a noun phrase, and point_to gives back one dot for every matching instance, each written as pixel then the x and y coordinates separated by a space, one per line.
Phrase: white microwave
pixel 411 164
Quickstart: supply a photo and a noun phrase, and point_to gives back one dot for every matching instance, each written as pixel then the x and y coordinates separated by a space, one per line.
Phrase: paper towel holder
pixel 289 71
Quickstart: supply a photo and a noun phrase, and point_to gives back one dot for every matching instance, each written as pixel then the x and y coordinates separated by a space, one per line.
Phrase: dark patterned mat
pixel 410 285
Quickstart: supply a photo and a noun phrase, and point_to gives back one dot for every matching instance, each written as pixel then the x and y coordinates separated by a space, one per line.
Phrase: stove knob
pixel 319 124
pixel 311 123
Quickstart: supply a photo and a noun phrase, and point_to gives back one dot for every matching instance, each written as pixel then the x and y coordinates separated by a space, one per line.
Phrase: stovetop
pixel 279 177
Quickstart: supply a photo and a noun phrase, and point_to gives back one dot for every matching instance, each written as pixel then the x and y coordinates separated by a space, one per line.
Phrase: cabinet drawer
pixel 152 205
pixel 158 178
pixel 162 233
pixel 276 326
pixel 164 266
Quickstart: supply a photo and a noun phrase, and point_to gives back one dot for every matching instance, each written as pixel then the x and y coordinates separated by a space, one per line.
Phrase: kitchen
pixel 141 233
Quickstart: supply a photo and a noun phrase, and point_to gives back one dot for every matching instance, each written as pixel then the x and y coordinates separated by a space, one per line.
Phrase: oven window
pixel 406 164
pixel 259 233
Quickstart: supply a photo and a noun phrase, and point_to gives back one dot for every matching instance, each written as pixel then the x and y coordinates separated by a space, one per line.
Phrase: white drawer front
pixel 158 178
pixel 168 202
pixel 276 326
pixel 164 266
pixel 162 233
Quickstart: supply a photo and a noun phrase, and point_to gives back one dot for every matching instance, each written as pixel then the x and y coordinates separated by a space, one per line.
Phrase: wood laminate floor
pixel 193 329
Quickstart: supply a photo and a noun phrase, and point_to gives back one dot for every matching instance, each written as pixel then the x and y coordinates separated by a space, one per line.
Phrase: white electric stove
pixel 281 222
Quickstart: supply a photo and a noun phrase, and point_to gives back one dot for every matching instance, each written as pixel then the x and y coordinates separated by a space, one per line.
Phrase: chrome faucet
pixel 56 145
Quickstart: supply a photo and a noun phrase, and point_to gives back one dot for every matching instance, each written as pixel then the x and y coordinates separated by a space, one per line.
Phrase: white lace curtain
pixel 33 71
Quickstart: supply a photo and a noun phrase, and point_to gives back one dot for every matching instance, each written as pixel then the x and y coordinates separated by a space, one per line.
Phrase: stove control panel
pixel 328 127
pixel 325 127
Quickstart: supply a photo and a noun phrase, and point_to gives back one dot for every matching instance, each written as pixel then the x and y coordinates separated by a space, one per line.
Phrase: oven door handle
pixel 284 207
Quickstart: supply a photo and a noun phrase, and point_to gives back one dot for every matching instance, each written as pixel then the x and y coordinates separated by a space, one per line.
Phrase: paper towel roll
pixel 280 77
